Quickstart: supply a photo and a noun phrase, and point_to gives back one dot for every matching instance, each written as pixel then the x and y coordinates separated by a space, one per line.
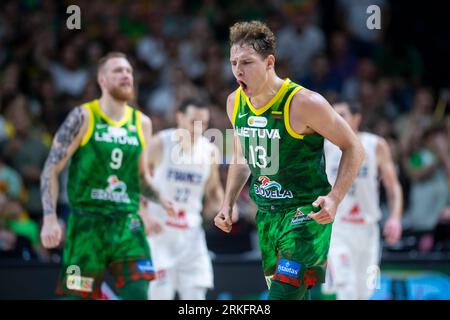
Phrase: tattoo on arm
pixel 61 143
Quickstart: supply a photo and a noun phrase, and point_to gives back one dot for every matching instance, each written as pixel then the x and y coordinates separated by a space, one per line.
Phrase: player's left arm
pixel 213 190
pixel 393 227
pixel 147 184
pixel 309 113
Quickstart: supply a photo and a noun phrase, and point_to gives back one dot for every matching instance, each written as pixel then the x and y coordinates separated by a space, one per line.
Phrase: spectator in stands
pixel 429 190
pixel 299 41
pixel 69 76
pixel 352 17
pixel 321 80
pixel 342 60
pixel 25 152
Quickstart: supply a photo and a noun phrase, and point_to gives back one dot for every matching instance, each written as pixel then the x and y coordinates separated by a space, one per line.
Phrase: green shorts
pixel 294 247
pixel 95 242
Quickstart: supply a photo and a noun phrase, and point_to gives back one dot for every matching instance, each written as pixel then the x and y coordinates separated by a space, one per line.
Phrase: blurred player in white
pixel 353 259
pixel 185 166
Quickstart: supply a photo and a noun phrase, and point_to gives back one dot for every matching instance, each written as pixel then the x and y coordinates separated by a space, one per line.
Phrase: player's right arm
pixel 65 143
pixel 238 173
pixel 393 227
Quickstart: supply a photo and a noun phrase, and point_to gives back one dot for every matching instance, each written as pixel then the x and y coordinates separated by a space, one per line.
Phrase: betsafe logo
pixel 288 268
pixel 145 266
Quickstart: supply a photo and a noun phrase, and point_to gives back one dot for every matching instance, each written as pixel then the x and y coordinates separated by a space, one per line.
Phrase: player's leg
pixel 83 258
pixel 264 222
pixel 268 225
pixel 302 246
pixel 195 271
pixel 165 247
pixel 129 256
pixel 341 267
pixel 368 272
pixel 134 290
pixel 193 293
pixel 280 290
pixel 163 287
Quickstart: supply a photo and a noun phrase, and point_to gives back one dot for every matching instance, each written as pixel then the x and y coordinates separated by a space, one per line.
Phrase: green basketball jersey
pixel 103 172
pixel 288 169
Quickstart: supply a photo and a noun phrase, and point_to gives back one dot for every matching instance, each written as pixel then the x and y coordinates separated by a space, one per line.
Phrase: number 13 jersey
pixel 288 169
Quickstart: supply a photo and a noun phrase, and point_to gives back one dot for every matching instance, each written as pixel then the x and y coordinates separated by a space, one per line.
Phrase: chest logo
pixel 258 122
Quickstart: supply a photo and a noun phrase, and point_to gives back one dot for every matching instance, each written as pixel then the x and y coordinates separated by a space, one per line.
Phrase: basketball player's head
pixel 350 111
pixel 193 116
pixel 115 76
pixel 252 55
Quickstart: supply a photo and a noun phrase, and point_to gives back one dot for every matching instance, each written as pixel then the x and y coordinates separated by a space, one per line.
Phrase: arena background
pixel 399 75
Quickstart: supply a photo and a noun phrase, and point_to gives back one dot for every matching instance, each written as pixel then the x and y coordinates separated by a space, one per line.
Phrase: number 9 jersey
pixel 103 172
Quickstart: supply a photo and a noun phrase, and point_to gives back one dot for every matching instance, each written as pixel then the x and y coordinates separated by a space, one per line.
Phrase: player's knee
pixel 135 290
pixel 346 291
pixel 161 291
pixel 193 293
pixel 285 291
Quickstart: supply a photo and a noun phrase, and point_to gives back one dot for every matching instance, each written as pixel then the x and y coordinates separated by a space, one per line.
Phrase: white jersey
pixel 361 203
pixel 181 177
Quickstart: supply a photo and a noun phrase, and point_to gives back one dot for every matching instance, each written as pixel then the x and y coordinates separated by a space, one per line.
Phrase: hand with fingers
pixel 151 224
pixel 392 230
pixel 51 232
pixel 169 206
pixel 223 219
pixel 326 214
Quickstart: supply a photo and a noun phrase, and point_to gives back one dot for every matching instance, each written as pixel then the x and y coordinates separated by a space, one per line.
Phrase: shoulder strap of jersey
pixel 91 119
pixel 287 106
pixel 137 120
pixel 237 105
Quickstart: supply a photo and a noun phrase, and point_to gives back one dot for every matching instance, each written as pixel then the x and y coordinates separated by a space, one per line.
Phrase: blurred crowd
pixel 179 49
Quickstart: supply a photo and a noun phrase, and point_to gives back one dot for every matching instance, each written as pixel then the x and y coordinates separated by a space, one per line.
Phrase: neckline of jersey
pixel 125 118
pixel 260 111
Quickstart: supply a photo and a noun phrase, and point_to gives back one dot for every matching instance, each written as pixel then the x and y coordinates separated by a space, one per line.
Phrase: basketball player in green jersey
pixel 104 140
pixel 279 133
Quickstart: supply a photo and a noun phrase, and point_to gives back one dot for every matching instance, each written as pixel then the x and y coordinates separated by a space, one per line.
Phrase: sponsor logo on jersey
pixel 79 283
pixel 258 122
pixel 241 115
pixel 132 128
pixel 300 217
pixel 179 221
pixel 183 176
pixel 117 136
pixel 288 268
pixel 354 215
pixel 144 266
pixel 257 133
pixel 116 191
pixel 271 189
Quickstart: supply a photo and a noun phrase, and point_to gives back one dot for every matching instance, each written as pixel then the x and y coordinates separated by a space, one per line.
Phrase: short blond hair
pixel 103 60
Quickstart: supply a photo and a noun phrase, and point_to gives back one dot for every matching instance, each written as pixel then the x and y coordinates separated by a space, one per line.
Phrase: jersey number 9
pixel 116 158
